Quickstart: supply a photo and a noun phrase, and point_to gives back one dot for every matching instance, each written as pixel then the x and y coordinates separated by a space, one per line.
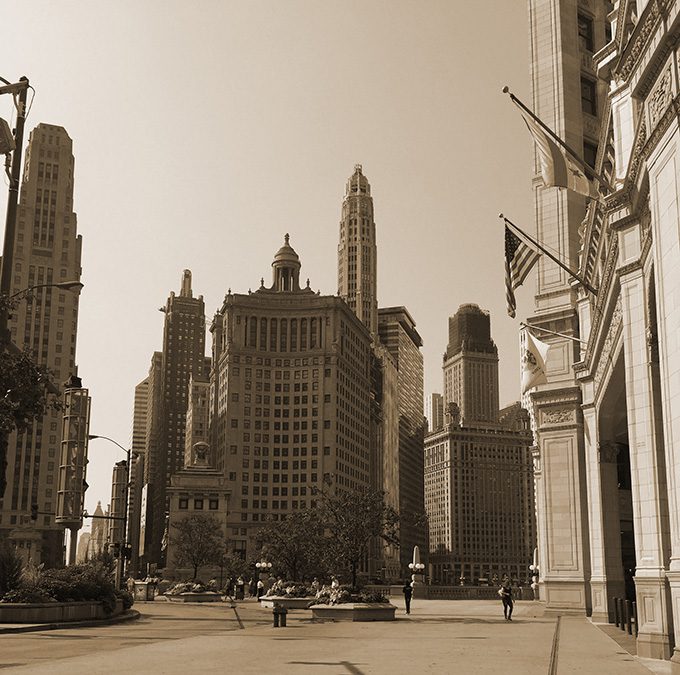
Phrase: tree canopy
pixel 198 540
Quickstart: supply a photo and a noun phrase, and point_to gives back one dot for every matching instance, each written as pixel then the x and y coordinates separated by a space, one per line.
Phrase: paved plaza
pixel 439 636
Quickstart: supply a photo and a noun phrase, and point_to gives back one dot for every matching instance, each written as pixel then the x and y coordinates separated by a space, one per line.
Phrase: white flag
pixel 533 362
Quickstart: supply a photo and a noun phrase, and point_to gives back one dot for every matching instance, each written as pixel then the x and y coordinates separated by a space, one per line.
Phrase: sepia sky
pixel 204 131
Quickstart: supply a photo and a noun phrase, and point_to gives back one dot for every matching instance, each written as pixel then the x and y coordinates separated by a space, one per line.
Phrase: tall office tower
pixel 558 74
pixel 397 331
pixel 471 367
pixel 99 532
pixel 137 456
pixel 290 399
pixel 434 411
pixel 46 251
pixel 183 354
pixel 607 452
pixel 479 490
pixel 357 251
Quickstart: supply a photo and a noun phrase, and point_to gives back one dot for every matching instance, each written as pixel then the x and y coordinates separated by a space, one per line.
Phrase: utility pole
pixel 12 200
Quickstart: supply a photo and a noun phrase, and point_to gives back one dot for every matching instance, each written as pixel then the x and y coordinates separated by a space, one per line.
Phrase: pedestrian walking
pixel 260 588
pixel 408 594
pixel 505 591
pixel 252 587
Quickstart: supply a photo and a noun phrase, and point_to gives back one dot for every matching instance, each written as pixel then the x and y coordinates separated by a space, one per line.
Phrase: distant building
pixel 290 397
pixel 197 412
pixel 434 411
pixel 83 545
pixel 47 251
pixel 197 489
pixel 98 533
pixel 183 354
pixel 479 489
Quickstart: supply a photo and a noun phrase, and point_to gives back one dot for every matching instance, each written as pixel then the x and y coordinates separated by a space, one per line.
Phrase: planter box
pixel 288 603
pixel 355 611
pixel 208 596
pixel 55 612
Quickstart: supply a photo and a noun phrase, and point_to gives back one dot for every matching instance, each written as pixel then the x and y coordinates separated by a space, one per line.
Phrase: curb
pixel 128 615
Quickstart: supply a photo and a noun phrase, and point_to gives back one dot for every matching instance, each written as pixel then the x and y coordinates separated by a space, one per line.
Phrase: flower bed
pixel 355 611
pixel 285 601
pixel 192 591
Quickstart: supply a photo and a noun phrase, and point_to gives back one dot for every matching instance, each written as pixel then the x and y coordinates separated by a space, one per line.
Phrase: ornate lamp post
pixel 263 568
pixel 417 570
pixel 534 574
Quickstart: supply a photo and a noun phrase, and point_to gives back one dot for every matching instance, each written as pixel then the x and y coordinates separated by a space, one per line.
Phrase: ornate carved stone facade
pixel 605 427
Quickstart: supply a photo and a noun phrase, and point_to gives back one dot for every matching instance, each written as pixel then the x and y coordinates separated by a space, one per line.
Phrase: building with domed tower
pixel 289 402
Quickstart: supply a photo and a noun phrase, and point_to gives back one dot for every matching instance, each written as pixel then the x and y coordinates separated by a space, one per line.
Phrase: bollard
pixel 284 611
pixel 616 612
pixel 624 614
pixel 635 617
pixel 629 617
pixel 276 613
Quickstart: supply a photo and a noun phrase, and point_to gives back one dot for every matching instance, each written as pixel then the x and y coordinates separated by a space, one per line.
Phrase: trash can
pixel 144 591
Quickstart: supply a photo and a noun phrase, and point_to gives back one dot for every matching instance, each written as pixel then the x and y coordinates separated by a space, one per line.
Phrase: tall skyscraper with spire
pixel 46 251
pixel 396 417
pixel 183 355
pixel 357 251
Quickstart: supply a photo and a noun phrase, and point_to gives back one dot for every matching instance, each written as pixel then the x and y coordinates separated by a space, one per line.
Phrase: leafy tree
pixel 23 393
pixel 352 520
pixel 295 545
pixel 198 540
pixel 233 565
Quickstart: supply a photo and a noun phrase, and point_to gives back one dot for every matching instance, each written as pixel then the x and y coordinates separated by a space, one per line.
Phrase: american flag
pixel 520 257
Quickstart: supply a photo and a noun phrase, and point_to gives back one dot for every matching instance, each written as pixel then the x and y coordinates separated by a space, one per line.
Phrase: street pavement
pixel 439 636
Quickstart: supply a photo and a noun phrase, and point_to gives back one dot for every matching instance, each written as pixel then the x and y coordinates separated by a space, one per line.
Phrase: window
pixel 585 33
pixel 588 96
pixel 198 504
pixel 589 153
pixel 183 503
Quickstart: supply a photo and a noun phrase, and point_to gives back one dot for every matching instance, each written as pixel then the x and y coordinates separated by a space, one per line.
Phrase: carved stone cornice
pixel 645 28
pixel 604 357
pixel 634 266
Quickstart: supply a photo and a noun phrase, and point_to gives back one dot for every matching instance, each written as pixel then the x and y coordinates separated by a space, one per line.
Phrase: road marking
pixel 552 668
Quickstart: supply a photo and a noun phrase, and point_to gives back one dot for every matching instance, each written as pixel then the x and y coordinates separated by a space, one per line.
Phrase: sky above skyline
pixel 203 132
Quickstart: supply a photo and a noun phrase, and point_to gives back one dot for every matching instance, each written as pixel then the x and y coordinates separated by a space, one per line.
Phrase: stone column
pixel 647 475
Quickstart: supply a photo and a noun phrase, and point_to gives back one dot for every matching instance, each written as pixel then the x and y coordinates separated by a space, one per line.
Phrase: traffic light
pixel 115 549
pixel 34 511
pixel 127 551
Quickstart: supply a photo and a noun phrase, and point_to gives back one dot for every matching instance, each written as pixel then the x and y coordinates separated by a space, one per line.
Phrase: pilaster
pixel 647 474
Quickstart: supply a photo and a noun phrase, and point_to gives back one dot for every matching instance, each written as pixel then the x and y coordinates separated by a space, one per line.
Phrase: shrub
pixel 26 595
pixel 10 568
pixel 126 597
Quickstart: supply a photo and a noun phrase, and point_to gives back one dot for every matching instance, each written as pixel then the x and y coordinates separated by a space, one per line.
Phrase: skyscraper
pixel 471 366
pixel 479 490
pixel 396 416
pixel 183 354
pixel 46 251
pixel 434 412
pixel 289 399
pixel 398 334
pixel 357 251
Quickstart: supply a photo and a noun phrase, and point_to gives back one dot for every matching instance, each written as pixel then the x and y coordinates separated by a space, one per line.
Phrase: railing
pixel 456 592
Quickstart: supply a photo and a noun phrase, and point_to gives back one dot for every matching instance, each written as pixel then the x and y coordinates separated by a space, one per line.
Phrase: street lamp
pixel 64 285
pixel 124 548
pixel 416 568
pixel 263 567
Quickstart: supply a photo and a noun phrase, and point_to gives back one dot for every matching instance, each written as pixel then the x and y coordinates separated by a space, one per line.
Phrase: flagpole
pixel 546 128
pixel 552 332
pixel 556 260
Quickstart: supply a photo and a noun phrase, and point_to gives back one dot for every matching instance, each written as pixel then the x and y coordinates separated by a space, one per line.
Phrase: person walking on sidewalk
pixel 505 591
pixel 408 594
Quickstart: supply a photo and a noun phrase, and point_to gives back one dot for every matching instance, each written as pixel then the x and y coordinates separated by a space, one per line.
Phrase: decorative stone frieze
pixel 646 26
pixel 660 97
pixel 558 416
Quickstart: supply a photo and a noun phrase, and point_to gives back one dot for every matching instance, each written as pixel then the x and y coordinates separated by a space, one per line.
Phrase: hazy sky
pixel 204 131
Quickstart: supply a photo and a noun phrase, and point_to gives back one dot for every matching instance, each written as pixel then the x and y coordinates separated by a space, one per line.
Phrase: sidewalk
pixel 439 636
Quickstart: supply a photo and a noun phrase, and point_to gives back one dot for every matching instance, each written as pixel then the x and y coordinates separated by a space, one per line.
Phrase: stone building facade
pixel 47 250
pixel 607 466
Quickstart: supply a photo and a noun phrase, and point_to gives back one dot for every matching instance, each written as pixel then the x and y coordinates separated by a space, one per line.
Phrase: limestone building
pixel 479 491
pixel 47 251
pixel 607 466
pixel 289 398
